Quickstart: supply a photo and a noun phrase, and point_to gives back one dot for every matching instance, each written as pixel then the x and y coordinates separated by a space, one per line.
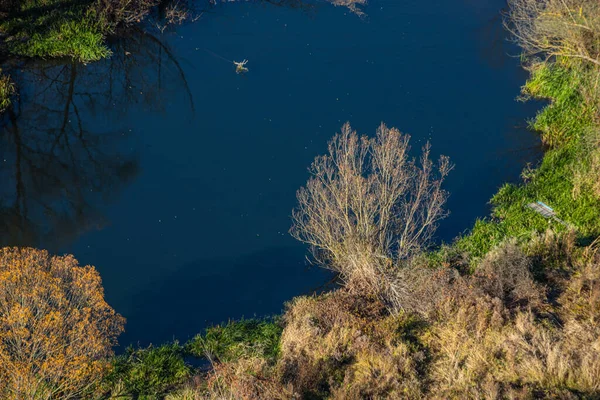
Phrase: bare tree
pixel 556 28
pixel 368 204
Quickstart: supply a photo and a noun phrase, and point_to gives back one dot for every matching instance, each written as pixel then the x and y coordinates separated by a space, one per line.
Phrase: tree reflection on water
pixel 61 155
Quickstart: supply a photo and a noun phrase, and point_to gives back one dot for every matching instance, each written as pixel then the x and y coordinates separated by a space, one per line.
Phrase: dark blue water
pixel 176 177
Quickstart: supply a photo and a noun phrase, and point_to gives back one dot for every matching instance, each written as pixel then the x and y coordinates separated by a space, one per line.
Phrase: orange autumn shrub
pixel 56 329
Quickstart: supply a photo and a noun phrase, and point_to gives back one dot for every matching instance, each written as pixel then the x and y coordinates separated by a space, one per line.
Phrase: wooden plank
pixel 547 212
pixel 542 209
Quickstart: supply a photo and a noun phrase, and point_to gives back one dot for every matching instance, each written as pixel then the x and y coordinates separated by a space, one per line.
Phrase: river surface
pixel 176 177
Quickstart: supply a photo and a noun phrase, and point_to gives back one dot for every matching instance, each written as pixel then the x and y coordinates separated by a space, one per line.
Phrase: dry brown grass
pixel 246 379
pixel 348 347
pixel 505 274
pixel 494 334
pixel 557 28
pixel 526 324
pixel 499 336
pixel 249 378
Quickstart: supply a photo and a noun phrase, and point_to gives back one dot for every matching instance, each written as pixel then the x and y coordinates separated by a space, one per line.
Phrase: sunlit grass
pixel 75 32
pixel 565 125
pixel 79 40
pixel 146 372
pixel 237 339
pixel 7 89
pixel 568 114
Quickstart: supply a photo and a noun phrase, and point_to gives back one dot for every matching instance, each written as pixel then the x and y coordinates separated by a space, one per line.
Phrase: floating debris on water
pixel 240 67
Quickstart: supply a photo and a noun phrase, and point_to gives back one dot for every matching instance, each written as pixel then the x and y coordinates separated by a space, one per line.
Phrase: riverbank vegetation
pixel 565 71
pixel 7 90
pixel 511 309
pixel 34 28
pixel 61 29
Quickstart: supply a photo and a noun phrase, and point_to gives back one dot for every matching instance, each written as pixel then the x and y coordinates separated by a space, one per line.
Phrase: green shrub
pixel 147 373
pixel 238 339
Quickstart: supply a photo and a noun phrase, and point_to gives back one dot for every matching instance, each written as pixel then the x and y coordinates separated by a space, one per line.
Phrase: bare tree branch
pixel 556 28
pixel 368 205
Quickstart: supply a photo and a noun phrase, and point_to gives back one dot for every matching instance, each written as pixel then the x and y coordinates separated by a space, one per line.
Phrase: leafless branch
pixel 556 28
pixel 368 205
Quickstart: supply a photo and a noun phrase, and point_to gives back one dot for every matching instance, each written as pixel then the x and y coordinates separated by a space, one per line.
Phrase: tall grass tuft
pixel 238 339
pixel 7 90
pixel 147 372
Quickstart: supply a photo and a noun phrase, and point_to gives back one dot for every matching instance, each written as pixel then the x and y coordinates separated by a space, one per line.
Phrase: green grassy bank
pixel 60 28
pixel 566 179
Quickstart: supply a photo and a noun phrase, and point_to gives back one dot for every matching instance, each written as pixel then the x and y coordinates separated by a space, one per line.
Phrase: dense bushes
pixel 347 346
pixel 56 330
